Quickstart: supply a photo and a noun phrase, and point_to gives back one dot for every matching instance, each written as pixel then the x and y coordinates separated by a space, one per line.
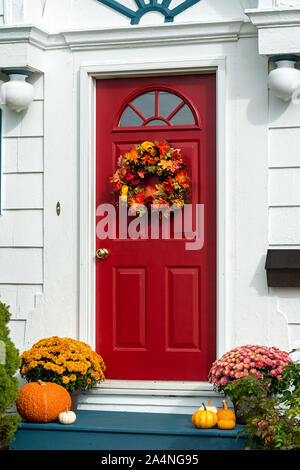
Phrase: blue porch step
pixel 108 430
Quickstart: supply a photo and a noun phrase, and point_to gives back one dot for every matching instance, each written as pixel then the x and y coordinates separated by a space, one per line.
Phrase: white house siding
pixel 2 14
pixel 39 251
pixel 284 177
pixel 284 199
pixel 21 222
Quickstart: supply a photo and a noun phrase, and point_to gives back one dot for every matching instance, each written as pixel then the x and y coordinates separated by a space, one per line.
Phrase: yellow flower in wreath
pixel 149 147
pixel 124 192
pixel 178 202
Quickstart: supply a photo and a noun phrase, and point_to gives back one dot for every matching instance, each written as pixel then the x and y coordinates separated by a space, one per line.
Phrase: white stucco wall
pixel 39 251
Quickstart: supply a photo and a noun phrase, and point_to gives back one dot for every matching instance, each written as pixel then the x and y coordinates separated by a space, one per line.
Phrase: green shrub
pixel 272 422
pixel 9 364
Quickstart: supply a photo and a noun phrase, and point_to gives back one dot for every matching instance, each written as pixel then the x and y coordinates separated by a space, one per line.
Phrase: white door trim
pixel 88 76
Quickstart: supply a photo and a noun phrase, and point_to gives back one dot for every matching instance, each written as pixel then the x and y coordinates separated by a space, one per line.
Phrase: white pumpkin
pixel 214 409
pixel 67 417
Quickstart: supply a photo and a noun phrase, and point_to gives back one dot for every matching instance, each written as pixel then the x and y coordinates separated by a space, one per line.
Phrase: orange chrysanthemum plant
pixel 65 361
pixel 131 179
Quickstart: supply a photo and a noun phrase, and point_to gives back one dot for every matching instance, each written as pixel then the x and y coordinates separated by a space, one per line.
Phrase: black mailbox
pixel 283 268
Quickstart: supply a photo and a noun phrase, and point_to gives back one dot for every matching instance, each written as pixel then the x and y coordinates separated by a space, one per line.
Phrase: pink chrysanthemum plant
pixel 263 362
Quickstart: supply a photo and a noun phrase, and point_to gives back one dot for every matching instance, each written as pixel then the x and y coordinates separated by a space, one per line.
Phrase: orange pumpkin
pixel 225 413
pixel 41 402
pixel 226 423
pixel 204 419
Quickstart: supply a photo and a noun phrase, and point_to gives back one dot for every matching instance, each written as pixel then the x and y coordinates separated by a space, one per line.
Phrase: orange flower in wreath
pixel 169 185
pixel 161 202
pixel 148 159
pixel 163 148
pixel 132 156
pixel 117 185
pixel 183 179
pixel 138 199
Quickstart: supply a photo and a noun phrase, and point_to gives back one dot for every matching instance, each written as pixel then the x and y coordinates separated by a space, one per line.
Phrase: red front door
pixel 155 300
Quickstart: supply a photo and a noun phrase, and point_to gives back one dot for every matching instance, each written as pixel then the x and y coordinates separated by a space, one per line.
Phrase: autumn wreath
pixel 131 180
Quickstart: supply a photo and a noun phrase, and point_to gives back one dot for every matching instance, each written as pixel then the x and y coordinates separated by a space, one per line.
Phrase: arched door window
pixel 158 107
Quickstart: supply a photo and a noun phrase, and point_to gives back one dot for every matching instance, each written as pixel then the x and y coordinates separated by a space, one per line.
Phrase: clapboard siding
pixel 284 226
pixel 21 265
pixel 27 123
pixel 281 155
pixel 2 20
pixel 285 187
pixel 22 191
pixel 282 114
pixel 284 173
pixel 284 200
pixel 37 80
pixel 22 219
pixel 23 155
pixel 21 228
pixel 20 298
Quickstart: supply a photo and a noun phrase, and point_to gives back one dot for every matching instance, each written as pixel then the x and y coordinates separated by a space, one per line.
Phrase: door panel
pixel 183 330
pixel 130 319
pixel 155 300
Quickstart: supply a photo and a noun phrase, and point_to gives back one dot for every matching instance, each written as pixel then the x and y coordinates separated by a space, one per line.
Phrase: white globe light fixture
pixel 17 93
pixel 284 80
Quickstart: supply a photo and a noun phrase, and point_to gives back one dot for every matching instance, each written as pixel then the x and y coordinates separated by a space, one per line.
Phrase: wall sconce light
pixel 17 93
pixel 284 81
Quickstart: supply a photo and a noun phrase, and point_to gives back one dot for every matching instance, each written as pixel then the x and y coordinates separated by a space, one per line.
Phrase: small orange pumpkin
pixel 225 413
pixel 226 423
pixel 226 418
pixel 42 402
pixel 204 419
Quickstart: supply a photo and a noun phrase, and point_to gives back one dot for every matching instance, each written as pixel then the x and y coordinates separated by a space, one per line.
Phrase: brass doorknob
pixel 102 253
